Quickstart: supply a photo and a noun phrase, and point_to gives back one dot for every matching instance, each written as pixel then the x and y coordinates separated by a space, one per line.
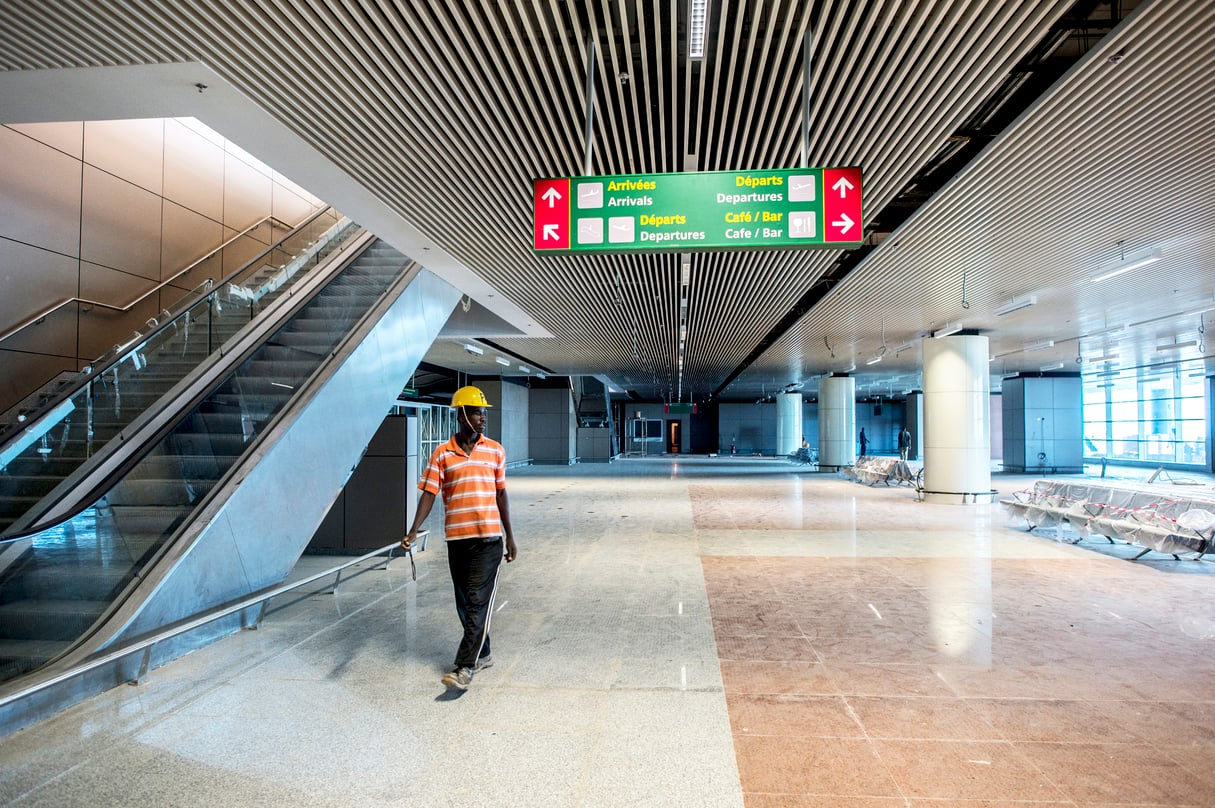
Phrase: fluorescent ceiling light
pixel 1106 358
pixel 525 369
pixel 906 346
pixel 541 375
pixel 1054 366
pixel 1016 304
pixel 473 349
pixel 949 328
pixel 1039 346
pixel 873 360
pixel 1127 264
pixel 849 369
pixel 502 361
pixel 1177 346
pixel 697 25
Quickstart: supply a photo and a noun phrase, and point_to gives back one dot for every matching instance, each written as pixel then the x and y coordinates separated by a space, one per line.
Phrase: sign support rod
pixel 590 107
pixel 806 88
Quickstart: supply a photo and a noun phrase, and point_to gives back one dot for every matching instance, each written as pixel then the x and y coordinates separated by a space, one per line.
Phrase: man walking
pixel 470 472
pixel 904 443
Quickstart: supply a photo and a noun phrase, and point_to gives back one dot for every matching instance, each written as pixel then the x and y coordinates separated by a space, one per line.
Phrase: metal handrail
pixel 42 315
pixel 147 643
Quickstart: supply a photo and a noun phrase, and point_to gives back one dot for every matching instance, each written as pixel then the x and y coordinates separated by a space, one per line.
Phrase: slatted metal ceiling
pixel 410 98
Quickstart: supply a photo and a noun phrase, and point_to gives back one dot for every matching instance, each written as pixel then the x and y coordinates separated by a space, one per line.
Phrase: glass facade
pixel 1154 415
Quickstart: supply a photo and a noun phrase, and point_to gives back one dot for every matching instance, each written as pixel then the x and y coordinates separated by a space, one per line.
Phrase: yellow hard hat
pixel 469 397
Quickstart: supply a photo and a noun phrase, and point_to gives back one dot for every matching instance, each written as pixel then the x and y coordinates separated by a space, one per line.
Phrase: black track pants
pixel 474 567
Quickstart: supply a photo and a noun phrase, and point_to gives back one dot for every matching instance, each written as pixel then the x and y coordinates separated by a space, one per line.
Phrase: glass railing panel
pixel 81 569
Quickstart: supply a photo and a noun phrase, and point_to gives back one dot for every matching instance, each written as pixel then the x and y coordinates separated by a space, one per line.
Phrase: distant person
pixel 864 443
pixel 904 443
pixel 805 443
pixel 471 470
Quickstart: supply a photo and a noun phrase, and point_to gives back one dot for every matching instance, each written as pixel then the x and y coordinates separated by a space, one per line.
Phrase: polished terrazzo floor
pixel 690 632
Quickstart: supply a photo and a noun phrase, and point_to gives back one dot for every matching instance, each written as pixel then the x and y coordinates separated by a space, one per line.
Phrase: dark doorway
pixel 674 437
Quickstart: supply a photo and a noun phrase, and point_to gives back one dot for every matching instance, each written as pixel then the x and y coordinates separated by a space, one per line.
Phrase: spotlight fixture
pixel 474 350
pixel 502 361
pixel 1126 264
pixel 949 328
pixel 1016 304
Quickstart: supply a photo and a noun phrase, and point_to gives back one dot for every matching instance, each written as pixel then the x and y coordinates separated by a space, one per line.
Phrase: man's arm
pixel 504 512
pixel 425 503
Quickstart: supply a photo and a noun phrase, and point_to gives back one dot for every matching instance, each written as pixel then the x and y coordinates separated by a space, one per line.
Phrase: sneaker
pixel 484 662
pixel 459 679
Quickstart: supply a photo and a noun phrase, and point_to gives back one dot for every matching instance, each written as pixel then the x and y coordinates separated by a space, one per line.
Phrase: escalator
pixel 213 492
pixel 46 441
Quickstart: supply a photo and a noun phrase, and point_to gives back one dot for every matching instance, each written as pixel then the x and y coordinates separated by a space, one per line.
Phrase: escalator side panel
pixel 251 535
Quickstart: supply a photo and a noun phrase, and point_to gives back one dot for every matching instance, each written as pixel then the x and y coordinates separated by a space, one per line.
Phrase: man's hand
pixel 408 539
pixel 511 549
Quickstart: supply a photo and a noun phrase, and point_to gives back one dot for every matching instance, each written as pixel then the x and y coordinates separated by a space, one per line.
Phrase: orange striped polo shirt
pixel 469 484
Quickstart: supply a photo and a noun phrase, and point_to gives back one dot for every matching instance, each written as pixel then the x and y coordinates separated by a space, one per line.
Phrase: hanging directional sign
pixel 796 207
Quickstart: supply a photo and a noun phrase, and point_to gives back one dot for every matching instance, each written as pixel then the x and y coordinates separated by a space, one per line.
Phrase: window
pixel 1157 416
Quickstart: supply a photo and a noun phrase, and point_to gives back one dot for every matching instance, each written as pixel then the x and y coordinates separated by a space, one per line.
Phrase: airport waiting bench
pixel 874 470
pixel 1143 515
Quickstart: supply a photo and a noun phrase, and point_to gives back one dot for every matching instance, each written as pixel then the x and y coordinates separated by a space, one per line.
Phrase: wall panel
pixel 65 137
pixel 194 171
pixel 121 225
pixel 110 208
pixel 130 150
pixel 39 194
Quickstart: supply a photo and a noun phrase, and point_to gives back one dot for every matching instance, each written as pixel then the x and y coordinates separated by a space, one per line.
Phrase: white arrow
pixel 844 223
pixel 552 195
pixel 550 231
pixel 843 186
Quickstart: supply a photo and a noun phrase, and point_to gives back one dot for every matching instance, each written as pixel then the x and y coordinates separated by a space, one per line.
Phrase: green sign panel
pixel 803 207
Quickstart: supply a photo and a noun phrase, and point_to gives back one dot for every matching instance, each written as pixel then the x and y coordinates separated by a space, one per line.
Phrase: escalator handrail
pixel 86 485
pixel 167 318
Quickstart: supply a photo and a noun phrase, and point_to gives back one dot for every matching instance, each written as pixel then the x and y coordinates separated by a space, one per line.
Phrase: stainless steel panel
pixel 247 193
pixel 32 279
pixel 194 171
pixel 131 150
pixel 121 225
pixel 187 236
pixel 289 205
pixel 67 137
pixel 39 195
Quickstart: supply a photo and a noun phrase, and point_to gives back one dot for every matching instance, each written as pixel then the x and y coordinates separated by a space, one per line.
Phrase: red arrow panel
pixel 842 204
pixel 551 214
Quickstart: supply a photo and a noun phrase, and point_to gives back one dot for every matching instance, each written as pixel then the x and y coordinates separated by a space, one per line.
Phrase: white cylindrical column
pixel 836 421
pixel 788 422
pixel 957 434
